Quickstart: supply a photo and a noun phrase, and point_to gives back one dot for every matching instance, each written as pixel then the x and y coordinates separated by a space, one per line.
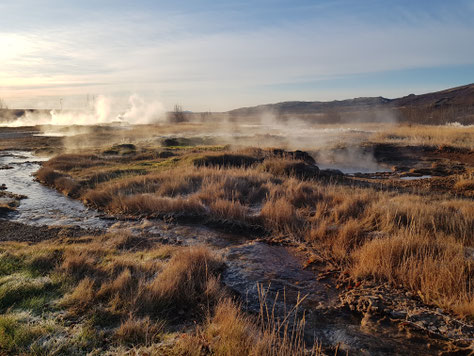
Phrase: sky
pixel 219 55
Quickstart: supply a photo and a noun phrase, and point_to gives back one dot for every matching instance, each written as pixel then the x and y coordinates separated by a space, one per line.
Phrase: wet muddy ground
pixel 417 169
pixel 337 315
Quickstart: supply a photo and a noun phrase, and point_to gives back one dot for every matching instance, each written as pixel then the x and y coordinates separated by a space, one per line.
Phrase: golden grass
pixel 79 263
pixel 156 206
pixel 230 332
pixel 82 297
pixel 120 299
pixel 280 215
pixel 465 181
pixel 435 268
pixel 464 184
pixel 135 331
pixel 339 220
pixel 188 282
pixel 122 284
pixel 231 211
pixel 427 135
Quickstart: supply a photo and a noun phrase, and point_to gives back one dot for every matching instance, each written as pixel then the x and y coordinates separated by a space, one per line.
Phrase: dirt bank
pixel 13 231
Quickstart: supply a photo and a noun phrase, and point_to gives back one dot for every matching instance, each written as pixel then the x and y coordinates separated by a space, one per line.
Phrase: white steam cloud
pixel 139 111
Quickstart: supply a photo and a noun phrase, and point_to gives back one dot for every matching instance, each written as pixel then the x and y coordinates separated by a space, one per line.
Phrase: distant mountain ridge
pixel 454 104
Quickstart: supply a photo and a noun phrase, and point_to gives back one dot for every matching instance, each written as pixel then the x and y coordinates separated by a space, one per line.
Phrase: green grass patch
pixel 10 264
pixel 16 337
pixel 88 338
pixel 24 292
pixel 42 263
pixel 37 304
pixel 38 264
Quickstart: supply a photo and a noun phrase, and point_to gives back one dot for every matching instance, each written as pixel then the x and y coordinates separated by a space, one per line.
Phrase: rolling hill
pixel 450 105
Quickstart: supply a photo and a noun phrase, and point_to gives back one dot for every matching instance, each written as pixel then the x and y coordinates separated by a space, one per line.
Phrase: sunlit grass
pixel 255 189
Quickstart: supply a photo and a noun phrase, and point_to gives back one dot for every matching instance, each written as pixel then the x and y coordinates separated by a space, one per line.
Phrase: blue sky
pixel 219 55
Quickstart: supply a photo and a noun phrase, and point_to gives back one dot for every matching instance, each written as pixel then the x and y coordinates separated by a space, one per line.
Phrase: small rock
pixel 399 314
pixel 443 329
pixel 420 323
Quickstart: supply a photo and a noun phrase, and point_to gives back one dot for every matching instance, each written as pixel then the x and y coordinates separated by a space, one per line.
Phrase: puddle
pixel 415 178
pixel 277 269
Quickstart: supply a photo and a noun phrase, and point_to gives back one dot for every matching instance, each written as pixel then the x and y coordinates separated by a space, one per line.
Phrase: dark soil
pixel 444 164
pixel 23 138
pixel 14 231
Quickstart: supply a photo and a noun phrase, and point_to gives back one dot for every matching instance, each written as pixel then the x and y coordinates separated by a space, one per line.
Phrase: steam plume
pixel 139 112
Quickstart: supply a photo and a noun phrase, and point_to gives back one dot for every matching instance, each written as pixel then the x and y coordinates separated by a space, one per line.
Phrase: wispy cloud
pixel 201 57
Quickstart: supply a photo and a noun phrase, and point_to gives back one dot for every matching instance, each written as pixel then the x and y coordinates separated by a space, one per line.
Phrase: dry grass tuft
pixel 231 211
pixel 157 206
pixel 281 215
pixel 80 263
pixel 60 181
pixel 436 268
pixel 135 332
pixel 48 176
pixel 231 332
pixel 96 198
pixel 67 186
pixel 187 282
pixel 225 160
pixel 81 298
pixel 465 182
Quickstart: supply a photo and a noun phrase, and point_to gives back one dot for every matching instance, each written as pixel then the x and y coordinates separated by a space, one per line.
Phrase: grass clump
pixel 17 336
pixel 187 283
pixel 9 263
pixel 225 160
pixel 17 288
pixel 136 332
pixel 435 268
pixel 228 331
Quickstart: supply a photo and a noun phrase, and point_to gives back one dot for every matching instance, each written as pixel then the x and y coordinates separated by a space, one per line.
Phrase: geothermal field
pixel 245 233
pixel 236 178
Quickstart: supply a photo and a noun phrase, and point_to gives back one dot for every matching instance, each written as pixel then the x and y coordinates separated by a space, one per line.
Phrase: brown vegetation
pixel 231 332
pixel 456 137
pixel 435 268
pixel 269 192
pixel 98 294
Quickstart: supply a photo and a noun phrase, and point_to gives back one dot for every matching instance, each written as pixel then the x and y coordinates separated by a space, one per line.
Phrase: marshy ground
pixel 196 239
